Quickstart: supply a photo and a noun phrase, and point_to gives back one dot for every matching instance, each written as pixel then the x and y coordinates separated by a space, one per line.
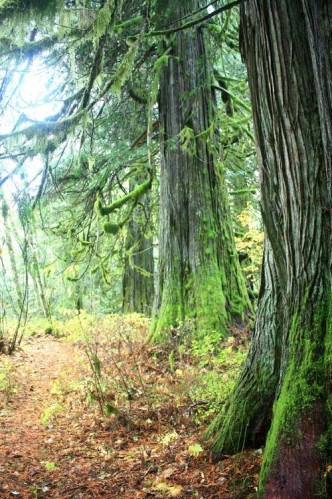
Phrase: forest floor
pixel 145 443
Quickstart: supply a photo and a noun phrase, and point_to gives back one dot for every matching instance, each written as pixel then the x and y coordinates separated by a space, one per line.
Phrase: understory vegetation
pixel 142 405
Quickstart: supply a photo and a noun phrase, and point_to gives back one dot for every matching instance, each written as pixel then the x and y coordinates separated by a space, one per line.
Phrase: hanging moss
pixel 127 24
pixel 111 228
pixel 29 8
pixel 103 20
pixel 125 68
pixel 188 140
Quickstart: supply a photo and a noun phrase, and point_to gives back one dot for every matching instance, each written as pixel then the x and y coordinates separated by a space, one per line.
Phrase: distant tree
pixel 138 277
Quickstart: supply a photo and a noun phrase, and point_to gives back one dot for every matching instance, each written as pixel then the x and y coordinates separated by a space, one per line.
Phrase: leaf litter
pixel 107 417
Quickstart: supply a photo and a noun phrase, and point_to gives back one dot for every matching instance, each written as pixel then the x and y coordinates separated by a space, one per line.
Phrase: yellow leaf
pixel 169 490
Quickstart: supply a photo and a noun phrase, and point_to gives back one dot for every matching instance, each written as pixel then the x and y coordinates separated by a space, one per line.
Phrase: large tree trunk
pixel 246 418
pixel 288 50
pixel 199 274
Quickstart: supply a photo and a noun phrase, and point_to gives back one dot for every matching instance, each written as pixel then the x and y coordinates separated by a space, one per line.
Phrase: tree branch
pixel 190 24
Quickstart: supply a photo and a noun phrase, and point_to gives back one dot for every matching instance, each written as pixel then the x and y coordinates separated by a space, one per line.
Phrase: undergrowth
pixel 185 377
pixel 147 404
pixel 8 382
pixel 129 379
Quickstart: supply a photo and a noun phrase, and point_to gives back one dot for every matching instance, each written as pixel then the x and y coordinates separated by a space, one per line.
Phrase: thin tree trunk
pixel 38 277
pixel 138 286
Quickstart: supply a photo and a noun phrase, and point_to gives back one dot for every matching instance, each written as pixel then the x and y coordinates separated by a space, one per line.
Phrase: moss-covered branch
pixel 112 228
pixel 11 8
pixel 131 196
pixel 9 47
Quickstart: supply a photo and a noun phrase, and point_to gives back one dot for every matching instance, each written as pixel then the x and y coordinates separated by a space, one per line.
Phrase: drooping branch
pixel 48 126
pixel 135 96
pixel 94 71
pixel 143 135
pixel 15 170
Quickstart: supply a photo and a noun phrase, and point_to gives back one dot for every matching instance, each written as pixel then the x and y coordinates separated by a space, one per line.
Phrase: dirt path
pixel 50 444
pixel 55 445
pixel 29 443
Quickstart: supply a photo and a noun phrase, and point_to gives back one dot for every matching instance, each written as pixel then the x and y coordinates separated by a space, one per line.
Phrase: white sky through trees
pixel 32 96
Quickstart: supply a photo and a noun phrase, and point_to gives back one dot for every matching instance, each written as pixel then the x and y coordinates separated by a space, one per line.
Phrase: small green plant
pixel 171 360
pixel 219 366
pixel 51 412
pixel 195 450
pixel 50 466
pixel 8 381
pixel 169 437
pixel 207 347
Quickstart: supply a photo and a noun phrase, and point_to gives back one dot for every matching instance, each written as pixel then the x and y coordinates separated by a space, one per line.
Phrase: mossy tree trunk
pixel 8 224
pixel 288 51
pixel 246 418
pixel 199 275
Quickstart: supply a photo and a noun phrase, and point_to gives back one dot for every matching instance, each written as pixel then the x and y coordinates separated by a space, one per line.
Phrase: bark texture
pixel 138 286
pixel 246 418
pixel 287 47
pixel 199 274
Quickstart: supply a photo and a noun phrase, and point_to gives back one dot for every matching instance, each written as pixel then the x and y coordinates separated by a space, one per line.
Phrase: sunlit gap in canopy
pixel 32 98
pixel 38 91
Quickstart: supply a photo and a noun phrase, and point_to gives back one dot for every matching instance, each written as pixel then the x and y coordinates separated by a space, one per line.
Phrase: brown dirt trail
pixel 53 444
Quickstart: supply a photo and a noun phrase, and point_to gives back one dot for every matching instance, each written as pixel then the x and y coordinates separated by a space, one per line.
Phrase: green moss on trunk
pixel 246 416
pixel 201 299
pixel 299 421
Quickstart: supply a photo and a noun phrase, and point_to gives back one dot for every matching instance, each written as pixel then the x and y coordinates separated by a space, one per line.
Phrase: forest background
pixel 129 184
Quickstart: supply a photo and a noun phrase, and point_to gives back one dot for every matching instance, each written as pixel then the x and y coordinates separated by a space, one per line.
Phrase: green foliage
pixel 125 68
pixel 127 24
pixel 195 450
pixel 169 437
pixel 51 412
pixel 161 62
pixel 250 243
pixel 103 19
pixel 171 361
pixel 188 140
pixel 28 8
pixel 111 228
pixel 50 465
pixel 219 365
pixel 8 381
